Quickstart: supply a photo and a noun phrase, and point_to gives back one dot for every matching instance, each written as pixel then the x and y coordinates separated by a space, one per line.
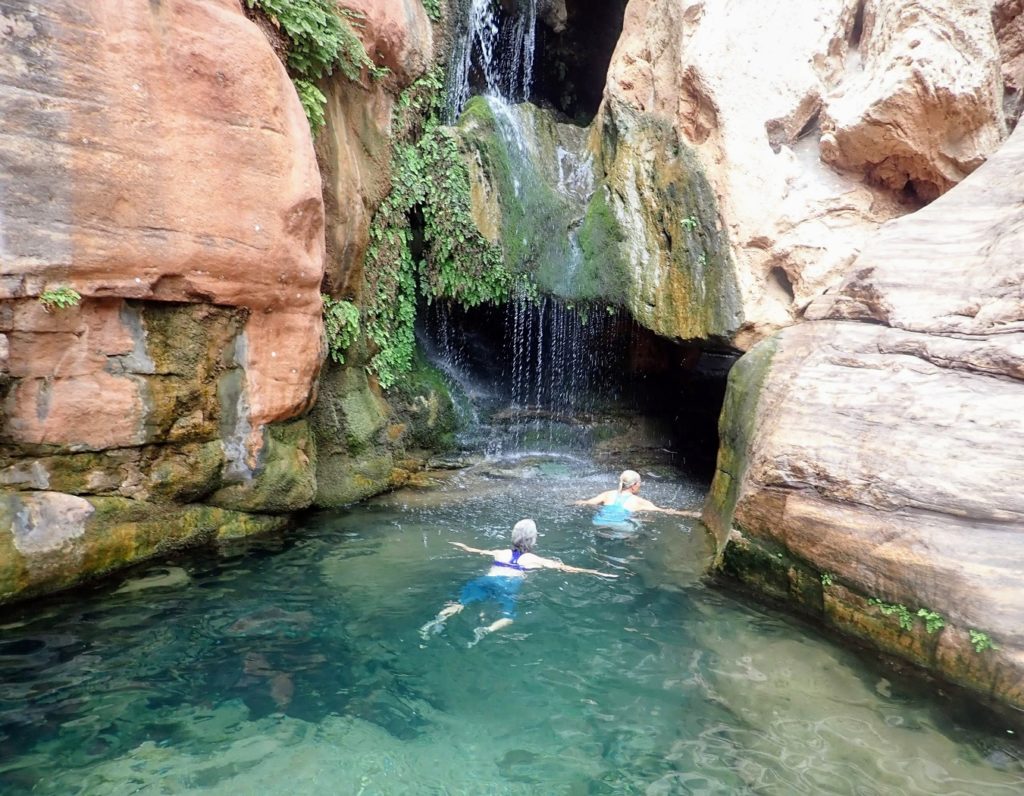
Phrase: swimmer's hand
pixel 582 571
pixel 469 549
pixel 682 513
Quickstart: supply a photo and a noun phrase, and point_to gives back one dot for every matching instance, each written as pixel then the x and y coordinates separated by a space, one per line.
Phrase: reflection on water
pixel 295 666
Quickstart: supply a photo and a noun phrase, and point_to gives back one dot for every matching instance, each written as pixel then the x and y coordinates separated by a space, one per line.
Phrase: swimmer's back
pixel 508 565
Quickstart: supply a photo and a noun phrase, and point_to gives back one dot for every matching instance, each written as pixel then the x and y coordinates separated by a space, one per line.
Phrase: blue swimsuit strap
pixel 514 563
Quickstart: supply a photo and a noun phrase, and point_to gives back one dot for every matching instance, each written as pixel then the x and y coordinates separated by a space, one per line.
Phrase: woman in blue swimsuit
pixel 503 579
pixel 619 505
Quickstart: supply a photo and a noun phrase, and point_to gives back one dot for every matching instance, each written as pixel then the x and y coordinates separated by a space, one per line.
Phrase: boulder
pixel 1008 19
pixel 397 34
pixel 161 154
pixel 870 469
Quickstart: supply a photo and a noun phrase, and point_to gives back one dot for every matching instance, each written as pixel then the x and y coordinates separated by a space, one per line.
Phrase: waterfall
pixel 550 364
pixel 499 44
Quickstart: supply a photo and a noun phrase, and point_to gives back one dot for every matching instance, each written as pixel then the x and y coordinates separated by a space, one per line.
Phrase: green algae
pixel 119 532
pixel 736 427
pixel 284 479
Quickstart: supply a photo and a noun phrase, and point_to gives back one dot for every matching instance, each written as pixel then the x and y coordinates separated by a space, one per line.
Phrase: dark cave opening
pixel 584 367
pixel 571 64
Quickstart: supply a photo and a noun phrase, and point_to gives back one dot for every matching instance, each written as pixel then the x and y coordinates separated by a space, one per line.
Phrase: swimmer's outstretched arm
pixel 469 549
pixel 682 512
pixel 597 500
pixel 646 505
pixel 551 563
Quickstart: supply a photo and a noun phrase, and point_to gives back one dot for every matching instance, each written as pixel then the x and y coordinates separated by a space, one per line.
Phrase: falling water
pixel 500 45
pixel 560 359
pixel 542 373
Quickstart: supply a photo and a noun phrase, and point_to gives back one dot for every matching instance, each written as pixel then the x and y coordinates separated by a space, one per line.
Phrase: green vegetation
pixel 59 298
pixel 826 579
pixel 690 222
pixel 429 176
pixel 981 641
pixel 322 40
pixel 932 620
pixel 433 9
pixel 341 322
pixel 906 619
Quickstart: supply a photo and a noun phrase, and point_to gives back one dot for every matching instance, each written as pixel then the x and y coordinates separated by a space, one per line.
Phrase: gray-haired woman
pixel 503 579
pixel 618 505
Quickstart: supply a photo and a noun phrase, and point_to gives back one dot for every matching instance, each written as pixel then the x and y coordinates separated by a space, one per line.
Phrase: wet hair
pixel 628 478
pixel 524 536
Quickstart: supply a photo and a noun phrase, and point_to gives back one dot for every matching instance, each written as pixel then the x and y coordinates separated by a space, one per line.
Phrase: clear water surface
pixel 294 665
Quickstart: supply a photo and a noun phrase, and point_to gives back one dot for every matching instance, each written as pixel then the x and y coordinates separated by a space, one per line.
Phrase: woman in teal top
pixel 619 505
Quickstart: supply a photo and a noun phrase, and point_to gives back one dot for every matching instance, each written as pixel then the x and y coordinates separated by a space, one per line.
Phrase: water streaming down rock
pixel 561 358
pixel 498 43
pixel 554 370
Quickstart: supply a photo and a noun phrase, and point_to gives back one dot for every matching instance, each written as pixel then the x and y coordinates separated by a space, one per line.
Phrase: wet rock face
pixel 397 34
pixel 354 149
pixel 879 447
pixel 157 160
pixel 813 128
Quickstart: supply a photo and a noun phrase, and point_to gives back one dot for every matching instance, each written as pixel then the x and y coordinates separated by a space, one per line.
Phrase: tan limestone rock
pixel 354 150
pixel 744 87
pixel 924 108
pixel 1008 20
pixel 885 444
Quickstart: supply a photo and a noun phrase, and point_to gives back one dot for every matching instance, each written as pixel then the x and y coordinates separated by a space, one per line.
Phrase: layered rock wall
pixel 871 462
pixel 366 441
pixel 158 162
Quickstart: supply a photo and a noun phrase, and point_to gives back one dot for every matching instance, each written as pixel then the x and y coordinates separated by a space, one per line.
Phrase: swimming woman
pixel 503 579
pixel 619 505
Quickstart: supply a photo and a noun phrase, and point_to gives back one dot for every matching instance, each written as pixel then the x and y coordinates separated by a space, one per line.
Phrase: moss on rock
pixel 681 281
pixel 49 541
pixel 736 427
pixel 284 479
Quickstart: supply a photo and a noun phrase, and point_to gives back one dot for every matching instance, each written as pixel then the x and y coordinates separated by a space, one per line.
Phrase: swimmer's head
pixel 629 479
pixel 524 536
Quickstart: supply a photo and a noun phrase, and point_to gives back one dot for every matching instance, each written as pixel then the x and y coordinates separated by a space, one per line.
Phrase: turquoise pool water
pixel 294 665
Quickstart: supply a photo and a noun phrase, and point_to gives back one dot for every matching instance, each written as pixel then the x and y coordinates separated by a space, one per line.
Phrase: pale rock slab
pixel 885 443
pixel 925 107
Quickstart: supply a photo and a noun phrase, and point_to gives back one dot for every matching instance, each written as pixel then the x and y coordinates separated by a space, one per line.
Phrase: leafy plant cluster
pixel 906 619
pixel 341 322
pixel 433 9
pixel 428 176
pixel 933 622
pixel 322 39
pixel 981 642
pixel 59 298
